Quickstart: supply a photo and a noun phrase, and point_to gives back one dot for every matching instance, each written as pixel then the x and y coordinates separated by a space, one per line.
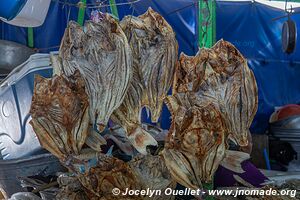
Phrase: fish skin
pixel 154 49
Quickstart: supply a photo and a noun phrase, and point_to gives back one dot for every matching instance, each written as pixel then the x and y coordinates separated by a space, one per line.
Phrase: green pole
pixel 30 41
pixel 81 12
pixel 207 23
pixel 208 186
pixel 207 38
pixel 113 8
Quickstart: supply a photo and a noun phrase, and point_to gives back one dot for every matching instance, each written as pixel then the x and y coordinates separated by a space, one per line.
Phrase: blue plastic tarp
pixel 48 36
pixel 252 29
pixel 249 26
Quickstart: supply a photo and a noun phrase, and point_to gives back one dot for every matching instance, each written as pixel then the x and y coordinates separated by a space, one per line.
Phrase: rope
pixel 101 4
pixel 46 48
pixel 97 5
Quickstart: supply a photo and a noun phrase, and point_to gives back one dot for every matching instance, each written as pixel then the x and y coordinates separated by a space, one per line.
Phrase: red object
pixel 288 111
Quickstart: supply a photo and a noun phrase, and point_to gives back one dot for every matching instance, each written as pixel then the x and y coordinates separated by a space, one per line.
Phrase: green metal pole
pixel 30 40
pixel 81 12
pixel 199 24
pixel 113 8
pixel 207 23
pixel 207 38
pixel 208 186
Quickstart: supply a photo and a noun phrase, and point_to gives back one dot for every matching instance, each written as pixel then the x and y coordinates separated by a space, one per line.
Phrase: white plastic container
pixel 33 14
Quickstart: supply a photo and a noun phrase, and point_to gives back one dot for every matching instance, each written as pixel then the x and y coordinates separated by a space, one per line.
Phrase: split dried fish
pixel 220 76
pixel 196 142
pixel 59 112
pixel 102 55
pixel 154 48
pixel 214 98
pixel 110 173
pixel 106 174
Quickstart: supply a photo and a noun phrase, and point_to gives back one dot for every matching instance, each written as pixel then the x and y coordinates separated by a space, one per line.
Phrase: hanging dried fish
pixel 154 49
pixel 59 113
pixel 220 76
pixel 214 98
pixel 101 53
pixel 195 145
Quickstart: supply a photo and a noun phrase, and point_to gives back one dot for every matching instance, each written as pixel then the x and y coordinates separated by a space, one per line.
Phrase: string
pixel 95 5
pixel 101 4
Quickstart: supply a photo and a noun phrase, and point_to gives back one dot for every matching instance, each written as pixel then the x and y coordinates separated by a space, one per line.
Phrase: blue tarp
pixel 247 25
pixel 251 28
pixel 48 36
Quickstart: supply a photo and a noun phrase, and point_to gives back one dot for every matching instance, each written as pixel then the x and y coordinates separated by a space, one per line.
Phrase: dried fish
pixel 154 49
pixel 118 135
pixel 95 140
pixel 101 53
pixel 107 174
pixel 59 113
pixel 196 142
pixel 70 188
pixel 42 185
pixel 97 76
pixel 214 98
pixel 220 76
pixel 153 173
pixel 233 160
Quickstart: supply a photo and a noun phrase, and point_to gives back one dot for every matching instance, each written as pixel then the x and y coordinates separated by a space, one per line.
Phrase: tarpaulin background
pixel 248 25
pixel 251 28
